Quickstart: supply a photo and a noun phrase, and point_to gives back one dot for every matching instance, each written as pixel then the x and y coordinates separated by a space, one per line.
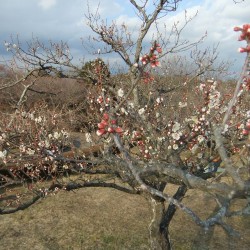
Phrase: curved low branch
pixel 22 206
pixel 74 185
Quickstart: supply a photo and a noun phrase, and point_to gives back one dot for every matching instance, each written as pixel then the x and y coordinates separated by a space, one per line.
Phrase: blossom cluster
pixel 108 125
pixel 101 100
pixel 10 46
pixel 245 35
pixel 245 127
pixel 152 58
pixel 35 135
pixel 147 78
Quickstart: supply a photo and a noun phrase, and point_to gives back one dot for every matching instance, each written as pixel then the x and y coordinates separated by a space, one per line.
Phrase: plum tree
pixel 184 132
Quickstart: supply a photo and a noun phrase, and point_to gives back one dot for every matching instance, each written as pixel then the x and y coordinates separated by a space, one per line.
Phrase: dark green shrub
pixel 95 71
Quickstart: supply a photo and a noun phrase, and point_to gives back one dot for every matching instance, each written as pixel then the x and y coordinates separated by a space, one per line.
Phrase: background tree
pixel 95 72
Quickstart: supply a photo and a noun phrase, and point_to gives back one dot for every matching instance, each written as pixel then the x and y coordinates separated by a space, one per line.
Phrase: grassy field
pixel 101 218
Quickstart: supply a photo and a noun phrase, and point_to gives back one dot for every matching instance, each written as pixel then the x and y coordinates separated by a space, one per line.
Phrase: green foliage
pixel 95 71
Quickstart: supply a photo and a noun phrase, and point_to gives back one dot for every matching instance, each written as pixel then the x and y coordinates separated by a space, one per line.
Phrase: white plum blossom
pixel 65 133
pixel 30 151
pixel 126 132
pixel 56 135
pixel 176 136
pixel 159 100
pixel 176 126
pixel 161 139
pixel 141 111
pixel 202 86
pixel 200 138
pixel 210 81
pixel 22 148
pixel 214 100
pixel 47 144
pixel 38 119
pixel 31 116
pixel 203 118
pixel 123 110
pixel 88 137
pixel 3 153
pixel 175 147
pixel 131 105
pixel 120 92
pixel 182 104
pixel 213 87
pixel 203 109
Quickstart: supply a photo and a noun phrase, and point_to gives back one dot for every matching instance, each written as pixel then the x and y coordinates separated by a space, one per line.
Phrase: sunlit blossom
pixel 159 99
pixel 123 110
pixel 176 126
pixel 182 104
pixel 3 154
pixel 176 136
pixel 88 137
pixel 120 92
pixel 56 135
pixel 200 138
pixel 30 151
pixel 141 111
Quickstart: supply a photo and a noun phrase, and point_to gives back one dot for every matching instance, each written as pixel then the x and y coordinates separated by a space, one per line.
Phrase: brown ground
pixel 102 218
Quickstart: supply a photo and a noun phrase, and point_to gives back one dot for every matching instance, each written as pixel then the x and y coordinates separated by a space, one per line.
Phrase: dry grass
pixel 92 218
pixel 101 218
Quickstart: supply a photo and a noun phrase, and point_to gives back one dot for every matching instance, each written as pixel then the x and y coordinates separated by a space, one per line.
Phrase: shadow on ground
pixel 101 218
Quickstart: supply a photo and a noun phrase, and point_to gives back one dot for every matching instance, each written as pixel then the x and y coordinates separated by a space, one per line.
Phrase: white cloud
pixel 47 4
pixel 217 18
pixel 67 21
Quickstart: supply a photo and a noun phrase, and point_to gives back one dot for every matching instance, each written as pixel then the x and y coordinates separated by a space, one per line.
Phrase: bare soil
pixel 103 218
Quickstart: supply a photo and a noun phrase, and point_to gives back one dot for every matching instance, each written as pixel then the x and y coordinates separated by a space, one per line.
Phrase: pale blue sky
pixel 64 20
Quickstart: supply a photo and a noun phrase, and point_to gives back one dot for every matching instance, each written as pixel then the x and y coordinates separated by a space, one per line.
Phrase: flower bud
pixel 101 125
pixel 105 123
pixel 105 116
pixel 100 132
pixel 118 130
pixel 245 132
pixel 237 29
pixel 111 130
